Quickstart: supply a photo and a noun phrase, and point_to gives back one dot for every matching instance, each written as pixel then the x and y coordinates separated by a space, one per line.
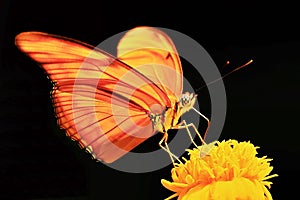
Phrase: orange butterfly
pixel 110 105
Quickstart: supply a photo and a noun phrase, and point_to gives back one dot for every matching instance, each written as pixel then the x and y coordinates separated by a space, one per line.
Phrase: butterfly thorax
pixel 169 117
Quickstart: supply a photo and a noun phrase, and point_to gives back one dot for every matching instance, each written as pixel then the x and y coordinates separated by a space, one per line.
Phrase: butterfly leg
pixel 208 122
pixel 184 125
pixel 166 148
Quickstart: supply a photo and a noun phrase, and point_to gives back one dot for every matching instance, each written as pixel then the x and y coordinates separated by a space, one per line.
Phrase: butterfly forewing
pixel 104 103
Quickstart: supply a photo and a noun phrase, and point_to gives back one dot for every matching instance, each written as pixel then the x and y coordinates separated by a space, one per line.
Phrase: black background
pixel 39 162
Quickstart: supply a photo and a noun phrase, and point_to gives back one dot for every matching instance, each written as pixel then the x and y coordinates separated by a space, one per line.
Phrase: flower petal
pixel 175 187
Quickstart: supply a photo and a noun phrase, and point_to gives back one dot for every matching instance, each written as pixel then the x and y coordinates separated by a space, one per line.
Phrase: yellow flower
pixel 227 170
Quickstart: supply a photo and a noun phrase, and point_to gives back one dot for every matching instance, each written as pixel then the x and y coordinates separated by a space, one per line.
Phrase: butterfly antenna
pixel 226 64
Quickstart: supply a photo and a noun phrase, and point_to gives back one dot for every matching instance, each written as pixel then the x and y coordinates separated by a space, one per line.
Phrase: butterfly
pixel 109 104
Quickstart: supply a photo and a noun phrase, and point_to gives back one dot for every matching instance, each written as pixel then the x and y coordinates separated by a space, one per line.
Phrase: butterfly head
pixel 187 101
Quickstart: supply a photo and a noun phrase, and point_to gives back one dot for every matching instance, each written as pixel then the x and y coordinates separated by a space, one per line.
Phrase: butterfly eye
pixel 187 99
